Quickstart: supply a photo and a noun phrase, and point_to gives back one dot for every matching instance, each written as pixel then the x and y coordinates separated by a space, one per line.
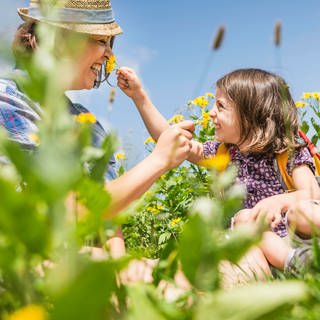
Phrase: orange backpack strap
pixel 281 166
pixel 313 151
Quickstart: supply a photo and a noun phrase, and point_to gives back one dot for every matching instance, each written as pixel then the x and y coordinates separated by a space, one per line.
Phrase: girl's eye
pixel 220 106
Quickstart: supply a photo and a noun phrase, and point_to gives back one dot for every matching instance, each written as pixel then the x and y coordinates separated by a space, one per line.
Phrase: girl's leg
pixel 275 249
pixel 303 217
pixel 252 267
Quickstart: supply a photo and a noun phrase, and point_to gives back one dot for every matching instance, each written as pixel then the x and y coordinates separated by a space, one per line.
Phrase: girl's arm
pixel 306 188
pixel 154 121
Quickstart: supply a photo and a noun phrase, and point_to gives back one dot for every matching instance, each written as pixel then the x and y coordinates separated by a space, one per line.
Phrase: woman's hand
pixel 174 144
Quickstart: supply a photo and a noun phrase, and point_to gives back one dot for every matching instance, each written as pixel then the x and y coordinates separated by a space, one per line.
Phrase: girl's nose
pixel 213 111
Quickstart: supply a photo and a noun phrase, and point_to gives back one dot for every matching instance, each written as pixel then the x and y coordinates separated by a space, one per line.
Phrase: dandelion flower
pixel 175 221
pixel 307 95
pixel 121 156
pixel 300 104
pixel 111 64
pixel 205 119
pixel 149 140
pixel 218 162
pixel 176 119
pixel 210 95
pixel 86 118
pixel 201 101
pixel 31 312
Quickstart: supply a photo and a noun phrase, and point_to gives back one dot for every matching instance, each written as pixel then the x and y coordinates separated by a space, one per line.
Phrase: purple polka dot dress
pixel 259 176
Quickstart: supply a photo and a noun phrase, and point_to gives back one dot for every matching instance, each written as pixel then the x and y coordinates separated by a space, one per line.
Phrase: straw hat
pixel 93 17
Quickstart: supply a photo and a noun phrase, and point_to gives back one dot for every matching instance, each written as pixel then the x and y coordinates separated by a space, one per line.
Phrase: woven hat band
pixel 70 15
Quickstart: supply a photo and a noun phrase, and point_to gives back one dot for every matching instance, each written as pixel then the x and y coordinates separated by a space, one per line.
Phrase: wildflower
pixel 175 221
pixel 111 64
pixel 316 95
pixel 31 312
pixel 218 162
pixel 34 138
pixel 176 119
pixel 205 119
pixel 307 95
pixel 86 118
pixel 149 140
pixel 200 101
pixel 120 156
pixel 210 95
pixel 300 104
pixel 152 210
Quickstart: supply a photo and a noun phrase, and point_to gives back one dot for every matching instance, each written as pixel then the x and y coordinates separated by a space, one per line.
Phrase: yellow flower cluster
pixel 176 119
pixel 155 210
pixel 149 140
pixel 121 156
pixel 308 95
pixel 175 221
pixel 218 162
pixel 31 312
pixel 300 104
pixel 86 118
pixel 111 64
pixel 205 119
pixel 200 101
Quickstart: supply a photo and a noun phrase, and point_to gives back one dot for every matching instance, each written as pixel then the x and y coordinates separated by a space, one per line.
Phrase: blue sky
pixel 169 42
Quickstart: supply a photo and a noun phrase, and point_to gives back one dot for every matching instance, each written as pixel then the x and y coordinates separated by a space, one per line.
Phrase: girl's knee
pixel 242 217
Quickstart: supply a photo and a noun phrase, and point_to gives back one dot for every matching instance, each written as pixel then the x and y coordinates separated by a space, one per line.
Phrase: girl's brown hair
pixel 267 113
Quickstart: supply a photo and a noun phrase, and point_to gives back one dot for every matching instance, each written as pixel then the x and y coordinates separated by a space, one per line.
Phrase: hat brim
pixel 104 30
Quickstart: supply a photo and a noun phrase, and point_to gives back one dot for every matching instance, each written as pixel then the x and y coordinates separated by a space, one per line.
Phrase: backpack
pixel 280 162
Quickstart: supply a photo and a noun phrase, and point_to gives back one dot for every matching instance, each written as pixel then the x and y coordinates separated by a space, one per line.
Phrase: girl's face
pixel 89 63
pixel 225 119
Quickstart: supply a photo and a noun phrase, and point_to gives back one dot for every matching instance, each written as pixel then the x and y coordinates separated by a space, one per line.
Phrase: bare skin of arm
pixel 173 147
pixel 154 121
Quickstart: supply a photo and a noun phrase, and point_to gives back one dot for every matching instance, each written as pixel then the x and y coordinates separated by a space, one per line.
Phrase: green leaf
pixel 250 302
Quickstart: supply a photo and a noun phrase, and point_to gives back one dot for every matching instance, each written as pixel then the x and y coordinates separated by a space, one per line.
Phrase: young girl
pixel 255 117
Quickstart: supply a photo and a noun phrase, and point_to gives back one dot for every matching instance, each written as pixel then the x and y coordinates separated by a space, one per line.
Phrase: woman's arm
pixel 173 147
pixel 154 121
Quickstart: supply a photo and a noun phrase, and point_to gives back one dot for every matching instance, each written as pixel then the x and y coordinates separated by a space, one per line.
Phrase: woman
pixel 93 23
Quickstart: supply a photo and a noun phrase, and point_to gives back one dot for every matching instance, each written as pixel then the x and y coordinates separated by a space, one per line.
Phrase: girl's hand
pixel 269 210
pixel 129 83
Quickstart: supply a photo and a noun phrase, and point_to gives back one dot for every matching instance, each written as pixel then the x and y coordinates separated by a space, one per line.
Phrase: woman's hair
pixel 266 110
pixel 25 41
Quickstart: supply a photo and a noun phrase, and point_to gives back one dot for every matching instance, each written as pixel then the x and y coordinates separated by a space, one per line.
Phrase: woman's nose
pixel 108 52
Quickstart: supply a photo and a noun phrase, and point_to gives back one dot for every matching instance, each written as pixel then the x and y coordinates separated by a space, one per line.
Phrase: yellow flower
pixel 153 210
pixel 149 140
pixel 86 118
pixel 218 162
pixel 210 95
pixel 300 104
pixel 34 138
pixel 307 95
pixel 176 119
pixel 31 312
pixel 205 119
pixel 316 95
pixel 200 101
pixel 111 64
pixel 175 221
pixel 121 156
